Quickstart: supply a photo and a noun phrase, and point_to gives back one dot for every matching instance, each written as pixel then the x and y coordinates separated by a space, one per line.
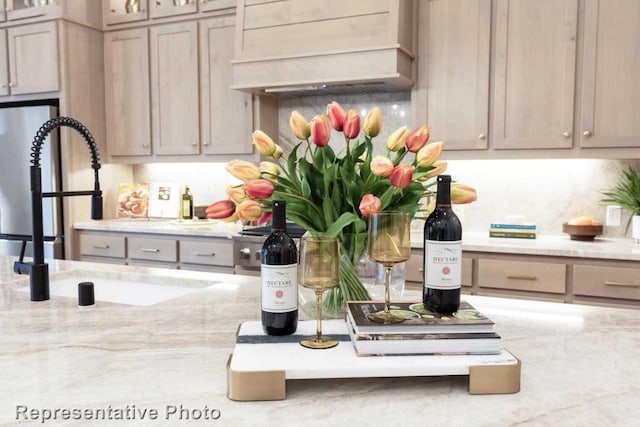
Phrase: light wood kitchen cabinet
pixel 613 280
pixel 165 8
pixel 535 66
pixel 164 249
pixel 174 89
pixel 127 92
pixel 457 68
pixel 211 5
pixel 610 113
pixel 115 12
pixel 209 254
pixel 33 64
pixel 221 105
pixel 522 275
pixel 100 247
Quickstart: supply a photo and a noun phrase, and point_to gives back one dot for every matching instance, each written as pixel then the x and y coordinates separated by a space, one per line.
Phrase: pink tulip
pixel 320 130
pixel 401 175
pixel 263 143
pixel 236 193
pixel 249 210
pixel 336 115
pixel 397 139
pixel 373 122
pixel 221 209
pixel 462 194
pixel 243 170
pixel 369 204
pixel 418 138
pixel 265 217
pixel 428 154
pixel 258 189
pixel 381 166
pixel 352 124
pixel 299 126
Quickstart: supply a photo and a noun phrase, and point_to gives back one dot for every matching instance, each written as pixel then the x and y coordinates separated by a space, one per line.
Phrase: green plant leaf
pixel 345 219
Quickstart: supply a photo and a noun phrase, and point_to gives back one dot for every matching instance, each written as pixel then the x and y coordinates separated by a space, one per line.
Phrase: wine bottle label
pixel 443 264
pixel 279 288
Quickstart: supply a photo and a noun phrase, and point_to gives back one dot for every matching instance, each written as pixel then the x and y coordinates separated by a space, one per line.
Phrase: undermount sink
pixel 123 288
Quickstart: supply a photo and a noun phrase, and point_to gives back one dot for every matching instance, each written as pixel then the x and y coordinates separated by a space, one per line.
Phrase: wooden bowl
pixel 585 233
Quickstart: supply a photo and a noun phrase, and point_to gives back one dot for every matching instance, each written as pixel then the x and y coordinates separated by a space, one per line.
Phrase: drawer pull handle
pixel 623 284
pixel 204 254
pixel 152 250
pixel 101 247
pixel 420 270
pixel 521 276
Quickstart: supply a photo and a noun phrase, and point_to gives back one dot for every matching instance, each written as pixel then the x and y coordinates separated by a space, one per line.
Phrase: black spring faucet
pixel 38 270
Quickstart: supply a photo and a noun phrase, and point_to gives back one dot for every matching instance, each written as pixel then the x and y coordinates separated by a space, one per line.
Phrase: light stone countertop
pixel 202 227
pixel 579 363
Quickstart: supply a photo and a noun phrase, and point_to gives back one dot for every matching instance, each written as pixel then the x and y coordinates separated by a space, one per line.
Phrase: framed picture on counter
pixel 133 201
pixel 164 200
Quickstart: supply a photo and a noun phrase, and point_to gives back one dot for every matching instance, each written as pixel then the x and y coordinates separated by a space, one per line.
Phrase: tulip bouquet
pixel 335 193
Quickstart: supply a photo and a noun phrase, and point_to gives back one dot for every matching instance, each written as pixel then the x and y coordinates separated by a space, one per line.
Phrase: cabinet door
pixel 610 114
pixel 174 89
pixel 535 56
pixel 209 5
pixel 127 92
pixel 3 15
pixel 163 8
pixel 122 11
pixel 33 58
pixel 458 55
pixel 4 65
pixel 227 115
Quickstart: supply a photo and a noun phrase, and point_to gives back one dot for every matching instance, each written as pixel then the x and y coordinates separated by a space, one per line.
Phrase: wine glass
pixel 389 244
pixel 319 269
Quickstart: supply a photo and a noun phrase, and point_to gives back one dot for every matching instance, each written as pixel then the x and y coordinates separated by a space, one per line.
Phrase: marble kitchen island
pixel 579 363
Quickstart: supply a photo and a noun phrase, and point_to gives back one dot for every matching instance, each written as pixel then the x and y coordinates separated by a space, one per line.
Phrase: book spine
pixel 513 226
pixel 509 234
pixel 511 230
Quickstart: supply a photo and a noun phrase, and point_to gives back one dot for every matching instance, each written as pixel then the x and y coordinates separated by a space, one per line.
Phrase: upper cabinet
pixel 123 11
pixel 610 115
pixel 534 80
pixel 29 59
pixel 562 80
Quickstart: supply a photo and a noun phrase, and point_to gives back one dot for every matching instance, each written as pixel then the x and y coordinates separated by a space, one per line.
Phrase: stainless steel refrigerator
pixel 18 126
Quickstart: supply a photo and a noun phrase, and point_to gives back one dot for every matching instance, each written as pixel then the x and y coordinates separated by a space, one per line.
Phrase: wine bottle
pixel 279 277
pixel 187 203
pixel 442 253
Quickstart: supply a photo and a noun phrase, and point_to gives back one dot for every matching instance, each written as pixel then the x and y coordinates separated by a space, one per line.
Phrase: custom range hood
pixel 294 47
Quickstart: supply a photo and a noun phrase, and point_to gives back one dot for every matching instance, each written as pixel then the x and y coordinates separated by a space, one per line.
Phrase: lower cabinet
pixel 214 254
pixel 617 280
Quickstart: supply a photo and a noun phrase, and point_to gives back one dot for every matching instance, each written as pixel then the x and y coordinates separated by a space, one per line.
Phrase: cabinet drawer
pixel 522 276
pixel 207 252
pixel 610 282
pixel 102 245
pixel 415 272
pixel 153 249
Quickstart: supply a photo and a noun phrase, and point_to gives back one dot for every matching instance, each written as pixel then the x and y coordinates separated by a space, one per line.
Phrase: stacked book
pixel 466 331
pixel 518 231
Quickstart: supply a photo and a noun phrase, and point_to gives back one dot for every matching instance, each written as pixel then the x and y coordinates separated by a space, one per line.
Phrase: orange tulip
pixel 402 175
pixel 397 139
pixel 249 210
pixel 462 194
pixel 243 170
pixel 221 209
pixel 439 166
pixel 263 143
pixel 373 122
pixel 236 193
pixel 381 166
pixel 352 124
pixel 417 138
pixel 336 115
pixel 320 130
pixel 258 189
pixel 299 126
pixel 428 154
pixel 369 204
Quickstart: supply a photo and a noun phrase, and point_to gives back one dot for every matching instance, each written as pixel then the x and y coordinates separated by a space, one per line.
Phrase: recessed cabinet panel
pixel 523 276
pixel 153 249
pixel 210 5
pixel 33 58
pixel 458 56
pixel 174 89
pixel 164 8
pixel 127 92
pixel 227 115
pixel 610 90
pixel 609 282
pixel 4 65
pixel 535 66
pixel 123 11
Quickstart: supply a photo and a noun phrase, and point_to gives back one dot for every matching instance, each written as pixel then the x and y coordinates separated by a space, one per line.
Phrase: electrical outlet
pixel 613 216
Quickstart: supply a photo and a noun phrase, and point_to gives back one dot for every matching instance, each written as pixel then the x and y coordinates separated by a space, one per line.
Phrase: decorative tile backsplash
pixel 547 192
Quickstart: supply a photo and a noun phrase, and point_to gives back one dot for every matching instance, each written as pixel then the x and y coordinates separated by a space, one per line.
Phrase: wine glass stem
pixel 319 314
pixel 387 287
